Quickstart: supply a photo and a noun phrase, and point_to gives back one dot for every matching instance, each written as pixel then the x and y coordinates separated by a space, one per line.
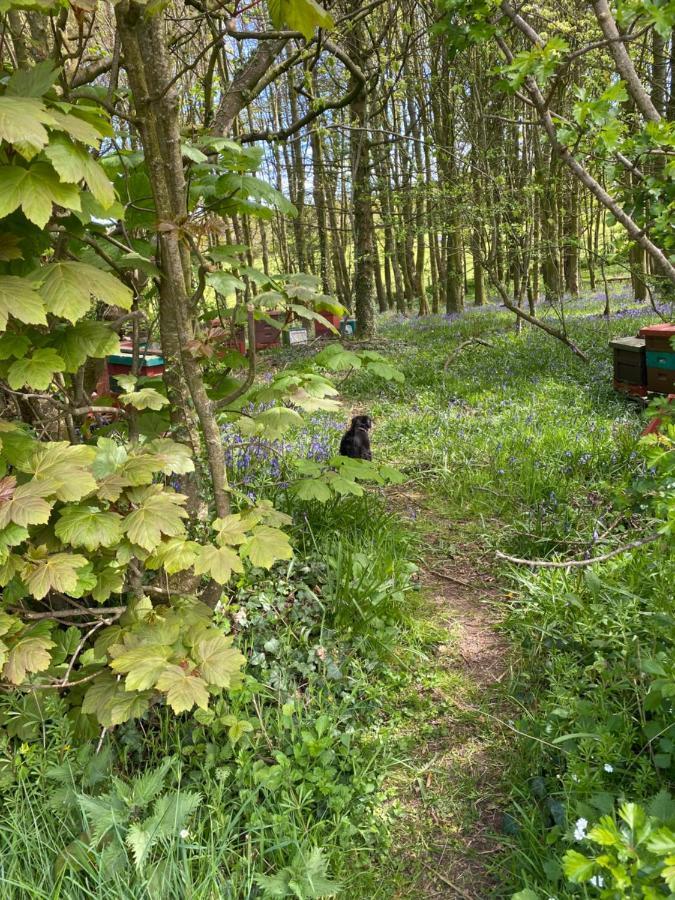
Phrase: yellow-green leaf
pixel 218 661
pixel 36 371
pixel 88 527
pixel 19 298
pixel 28 655
pixel 267 546
pixel 182 689
pixel 56 572
pixel 218 562
pixel 35 189
pixel 143 665
pixel 68 288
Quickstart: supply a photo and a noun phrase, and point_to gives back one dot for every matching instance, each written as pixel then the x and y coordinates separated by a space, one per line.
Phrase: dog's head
pixel 364 422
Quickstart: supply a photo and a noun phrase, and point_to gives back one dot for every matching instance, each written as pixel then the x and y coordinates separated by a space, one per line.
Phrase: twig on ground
pixel 458 349
pixel 448 577
pixel 548 564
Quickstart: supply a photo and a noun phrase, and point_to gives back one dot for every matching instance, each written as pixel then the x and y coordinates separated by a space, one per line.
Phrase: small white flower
pixel 597 881
pixel 185 834
pixel 575 778
pixel 580 829
pixel 240 617
pixel 608 768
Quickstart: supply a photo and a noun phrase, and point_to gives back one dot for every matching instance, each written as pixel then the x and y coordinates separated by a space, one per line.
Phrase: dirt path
pixel 450 797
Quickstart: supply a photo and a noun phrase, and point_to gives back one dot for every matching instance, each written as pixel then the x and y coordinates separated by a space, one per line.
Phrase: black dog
pixel 355 442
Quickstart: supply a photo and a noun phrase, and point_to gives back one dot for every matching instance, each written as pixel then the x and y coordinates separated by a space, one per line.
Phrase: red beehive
pixel 267 335
pixel 658 337
pixel 320 328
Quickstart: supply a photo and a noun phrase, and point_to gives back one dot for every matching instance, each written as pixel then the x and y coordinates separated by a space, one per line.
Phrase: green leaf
pixel 110 580
pixel 160 513
pixel 30 654
pixel 174 555
pixel 140 839
pixel 248 186
pixel 65 468
pixel 23 119
pixel 13 345
pixel 88 527
pixel 87 339
pixel 27 505
pixel 110 456
pixel 57 572
pixel 143 665
pixel 278 419
pixel 577 867
pixel 224 283
pixel 218 563
pixel 74 164
pixel 218 661
pixel 35 189
pixel 78 128
pixel 231 530
pixel 337 359
pixel 267 546
pixel 146 398
pixel 68 288
pixel 183 690
pixel 312 489
pixel 300 15
pixel 662 842
pixel 32 82
pixel 19 297
pixel 36 371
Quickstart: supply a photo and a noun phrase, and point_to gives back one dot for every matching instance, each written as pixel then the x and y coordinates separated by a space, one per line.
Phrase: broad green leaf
pixel 66 467
pixel 36 371
pixel 73 164
pixel 337 359
pixel 111 704
pixel 245 186
pixel 19 298
pixel 10 247
pixel 23 119
pixel 268 545
pixel 32 82
pixel 110 456
pixel 160 513
pixel 300 15
pixel 278 419
pixel 140 839
pixel 30 654
pixel 312 489
pixel 174 555
pixel 605 833
pixel 77 127
pixel 27 506
pixel 577 867
pixel 110 580
pixel 174 458
pixel 231 530
pixel 87 339
pixel 662 842
pixel 68 288
pixel 88 527
pixel 344 486
pixel 13 345
pixel 224 283
pixel 146 398
pixel 218 661
pixel 143 665
pixel 218 562
pixel 182 689
pixel 57 572
pixel 35 189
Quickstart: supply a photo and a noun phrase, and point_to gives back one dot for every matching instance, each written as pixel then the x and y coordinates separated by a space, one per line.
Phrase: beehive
pixel 630 365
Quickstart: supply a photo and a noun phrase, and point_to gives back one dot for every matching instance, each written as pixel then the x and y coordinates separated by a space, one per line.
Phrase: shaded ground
pixel 450 795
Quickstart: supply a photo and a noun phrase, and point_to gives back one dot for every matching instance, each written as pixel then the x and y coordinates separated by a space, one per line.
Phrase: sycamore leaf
pixel 111 704
pixel 278 419
pixel 77 343
pixel 337 359
pixel 35 189
pixel 231 530
pixel 312 489
pixel 10 247
pixel 110 456
pixel 27 506
pixel 23 119
pixel 174 458
pixel 30 654
pixel 13 345
pixel 88 527
pixel 174 555
pixel 224 282
pixel 109 580
pixel 36 371
pixel 218 661
pixel 267 545
pixel 77 127
pixel 218 562
pixel 301 15
pixel 64 466
pixel 56 572
pixel 158 514
pixel 74 164
pixel 19 297
pixel 67 289
pixel 385 370
pixel 143 665
pixel 33 81
pixel 344 486
pixel 182 690
pixel 146 398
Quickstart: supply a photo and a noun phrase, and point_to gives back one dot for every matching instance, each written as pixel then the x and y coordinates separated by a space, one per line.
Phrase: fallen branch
pixel 473 340
pixel 448 577
pixel 70 613
pixel 547 564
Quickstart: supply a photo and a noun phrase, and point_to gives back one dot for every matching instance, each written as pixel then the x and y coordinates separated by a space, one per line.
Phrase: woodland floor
pixel 450 786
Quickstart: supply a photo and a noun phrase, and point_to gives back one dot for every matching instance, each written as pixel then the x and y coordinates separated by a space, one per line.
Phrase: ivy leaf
pixel 143 665
pixel 36 371
pixel 88 527
pixel 74 164
pixel 158 514
pixel 27 506
pixel 77 343
pixel 218 562
pixel 174 458
pixel 218 661
pixel 146 398
pixel 35 189
pixel 182 690
pixel 67 289
pixel 577 867
pixel 267 545
pixel 32 82
pixel 30 654
pixel 19 297
pixel 23 119
pixel 312 489
pixel 57 572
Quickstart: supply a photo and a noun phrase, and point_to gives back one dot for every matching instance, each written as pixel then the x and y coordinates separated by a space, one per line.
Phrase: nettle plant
pixel 103 580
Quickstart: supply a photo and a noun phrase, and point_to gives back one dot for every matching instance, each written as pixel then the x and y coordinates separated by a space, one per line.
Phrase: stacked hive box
pixel 660 357
pixel 630 369
pixel 152 365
